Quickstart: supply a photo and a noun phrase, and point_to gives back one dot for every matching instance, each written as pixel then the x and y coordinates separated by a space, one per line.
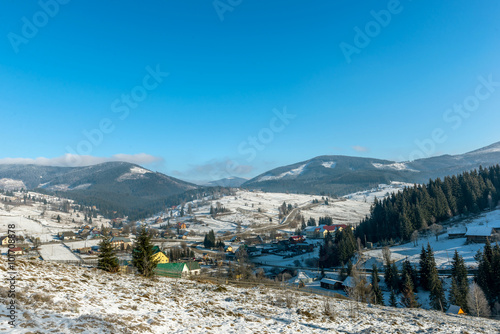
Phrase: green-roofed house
pixel 178 270
pixel 173 270
pixel 194 268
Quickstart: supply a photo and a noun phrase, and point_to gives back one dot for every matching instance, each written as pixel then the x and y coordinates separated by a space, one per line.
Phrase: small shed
pixel 479 234
pixel 329 283
pixel 302 278
pixel 455 309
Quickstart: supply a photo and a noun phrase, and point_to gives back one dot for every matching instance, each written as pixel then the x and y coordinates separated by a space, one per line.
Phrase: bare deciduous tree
pixel 414 238
pixel 436 229
pixel 476 300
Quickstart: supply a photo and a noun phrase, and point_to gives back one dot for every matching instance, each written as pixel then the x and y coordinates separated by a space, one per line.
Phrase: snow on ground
pixel 134 173
pixel 395 166
pixel 343 212
pixel 56 252
pixel 254 209
pixel 82 243
pixel 10 184
pixel 329 164
pixel 292 172
pixel 69 299
pixel 40 220
pixel 444 248
pixel 381 191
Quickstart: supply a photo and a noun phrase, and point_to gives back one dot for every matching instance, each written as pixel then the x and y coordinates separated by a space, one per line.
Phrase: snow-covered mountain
pixel 340 175
pixel 120 185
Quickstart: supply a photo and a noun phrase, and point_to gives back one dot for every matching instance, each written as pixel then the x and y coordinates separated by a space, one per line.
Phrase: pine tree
pixel 392 299
pixel 142 254
pixel 107 258
pixel 459 283
pixel 376 291
pixel 410 270
pixel 408 299
pixel 424 269
pixel 437 297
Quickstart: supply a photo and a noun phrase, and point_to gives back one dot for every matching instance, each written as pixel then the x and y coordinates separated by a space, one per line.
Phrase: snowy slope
pixel 68 299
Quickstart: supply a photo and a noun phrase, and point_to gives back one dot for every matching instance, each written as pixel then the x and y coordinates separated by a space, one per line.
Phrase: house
pixel 84 250
pixel 254 241
pixel 320 232
pixel 235 239
pixel 458 232
pixel 173 270
pixel 115 232
pixel 117 242
pixel 454 309
pixel 301 278
pixel 295 239
pixel 68 235
pixel 253 251
pixel 4 241
pixel 15 251
pixel 194 268
pixel 181 225
pixel 228 249
pixel 479 234
pixel 329 283
pixel 159 256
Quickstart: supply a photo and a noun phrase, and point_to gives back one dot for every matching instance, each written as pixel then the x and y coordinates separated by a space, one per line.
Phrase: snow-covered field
pixel 381 191
pixel 57 252
pixel 69 299
pixel 444 248
pixel 254 209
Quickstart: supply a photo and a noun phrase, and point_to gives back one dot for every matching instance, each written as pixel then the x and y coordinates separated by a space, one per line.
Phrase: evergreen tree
pixel 424 269
pixel 376 291
pixel 408 299
pixel 437 297
pixel 392 299
pixel 459 283
pixel 408 269
pixel 142 254
pixel 107 259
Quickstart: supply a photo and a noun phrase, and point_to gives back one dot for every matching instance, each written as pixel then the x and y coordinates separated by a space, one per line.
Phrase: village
pixel 250 248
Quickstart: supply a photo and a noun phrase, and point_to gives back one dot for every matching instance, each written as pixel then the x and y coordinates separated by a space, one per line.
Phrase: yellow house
pixel 160 256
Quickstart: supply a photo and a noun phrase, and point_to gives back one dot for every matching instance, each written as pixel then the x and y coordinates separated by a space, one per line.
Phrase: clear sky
pixel 195 88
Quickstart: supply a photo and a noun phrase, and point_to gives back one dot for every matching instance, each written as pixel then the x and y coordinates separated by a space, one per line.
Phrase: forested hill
pixel 416 208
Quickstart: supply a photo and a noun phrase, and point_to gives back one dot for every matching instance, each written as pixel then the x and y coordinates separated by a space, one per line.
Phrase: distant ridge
pixel 340 175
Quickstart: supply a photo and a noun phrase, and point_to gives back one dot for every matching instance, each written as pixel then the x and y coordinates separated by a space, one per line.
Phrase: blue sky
pixel 89 78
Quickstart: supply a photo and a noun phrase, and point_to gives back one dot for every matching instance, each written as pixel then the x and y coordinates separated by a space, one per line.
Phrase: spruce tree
pixel 459 283
pixel 437 297
pixel 107 259
pixel 142 254
pixel 392 299
pixel 377 292
pixel 408 299
pixel 424 269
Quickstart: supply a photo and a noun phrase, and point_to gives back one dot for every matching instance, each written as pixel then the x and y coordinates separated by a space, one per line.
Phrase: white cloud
pixel 74 160
pixel 358 148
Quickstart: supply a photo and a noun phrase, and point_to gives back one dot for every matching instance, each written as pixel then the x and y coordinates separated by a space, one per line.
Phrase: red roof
pixel 15 249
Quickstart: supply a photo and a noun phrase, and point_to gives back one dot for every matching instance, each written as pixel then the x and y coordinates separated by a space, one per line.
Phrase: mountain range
pixel 130 188
pixel 339 175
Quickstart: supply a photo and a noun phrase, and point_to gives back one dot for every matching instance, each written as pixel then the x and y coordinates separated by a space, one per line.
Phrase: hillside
pixel 340 175
pixel 115 185
pixel 70 299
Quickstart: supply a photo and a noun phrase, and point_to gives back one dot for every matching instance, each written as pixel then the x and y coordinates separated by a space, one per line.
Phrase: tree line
pixel 416 208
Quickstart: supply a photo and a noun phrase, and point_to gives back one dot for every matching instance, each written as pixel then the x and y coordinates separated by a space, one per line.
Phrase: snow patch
pixel 329 164
pixel 395 166
pixel 10 184
pixel 292 173
pixel 134 174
